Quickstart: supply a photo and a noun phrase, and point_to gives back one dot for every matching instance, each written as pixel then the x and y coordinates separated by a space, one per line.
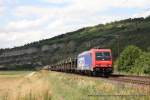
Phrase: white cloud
pixel 31 10
pixel 32 23
pixel 1 2
pixel 2 8
pixel 56 1
pixel 1 11
pixel 142 14
pixel 26 24
pixel 10 39
pixel 100 5
pixel 136 3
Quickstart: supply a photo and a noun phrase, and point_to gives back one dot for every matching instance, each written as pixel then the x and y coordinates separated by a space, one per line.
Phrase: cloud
pixel 144 14
pixel 18 39
pixel 27 23
pixel 136 3
pixel 2 8
pixel 1 2
pixel 56 1
pixel 1 11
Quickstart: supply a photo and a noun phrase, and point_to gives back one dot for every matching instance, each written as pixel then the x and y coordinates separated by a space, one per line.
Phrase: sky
pixel 26 21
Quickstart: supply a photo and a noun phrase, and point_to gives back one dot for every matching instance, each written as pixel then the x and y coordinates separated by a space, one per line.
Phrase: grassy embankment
pixel 61 86
pixel 21 85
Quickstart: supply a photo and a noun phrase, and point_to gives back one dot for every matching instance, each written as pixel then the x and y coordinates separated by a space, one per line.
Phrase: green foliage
pixel 142 64
pixel 147 18
pixel 133 60
pixel 128 57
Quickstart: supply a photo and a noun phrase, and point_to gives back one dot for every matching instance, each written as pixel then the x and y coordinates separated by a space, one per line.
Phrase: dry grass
pixel 46 85
pixel 33 86
pixel 75 87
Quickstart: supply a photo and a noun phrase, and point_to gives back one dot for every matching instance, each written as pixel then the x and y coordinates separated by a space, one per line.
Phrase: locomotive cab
pixel 102 62
pixel 97 61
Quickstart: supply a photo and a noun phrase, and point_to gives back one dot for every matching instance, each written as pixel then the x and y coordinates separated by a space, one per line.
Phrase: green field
pixel 47 85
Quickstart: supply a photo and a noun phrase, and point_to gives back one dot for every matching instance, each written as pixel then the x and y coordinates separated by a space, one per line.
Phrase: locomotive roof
pixel 93 50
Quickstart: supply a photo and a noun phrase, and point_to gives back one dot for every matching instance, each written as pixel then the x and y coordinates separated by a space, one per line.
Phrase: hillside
pixel 130 31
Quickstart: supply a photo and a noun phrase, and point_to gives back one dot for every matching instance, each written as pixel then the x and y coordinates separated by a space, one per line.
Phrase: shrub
pixel 142 64
pixel 128 57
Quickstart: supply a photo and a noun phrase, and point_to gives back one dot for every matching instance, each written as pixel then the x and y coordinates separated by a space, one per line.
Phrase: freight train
pixel 93 62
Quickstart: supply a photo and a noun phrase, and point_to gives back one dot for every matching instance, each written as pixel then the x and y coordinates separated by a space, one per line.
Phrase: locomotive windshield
pixel 103 56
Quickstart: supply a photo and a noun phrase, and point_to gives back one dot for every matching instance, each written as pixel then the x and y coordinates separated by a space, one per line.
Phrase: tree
pixel 128 57
pixel 142 64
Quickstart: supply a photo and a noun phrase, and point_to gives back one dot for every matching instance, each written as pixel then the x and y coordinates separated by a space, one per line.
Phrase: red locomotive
pixel 98 61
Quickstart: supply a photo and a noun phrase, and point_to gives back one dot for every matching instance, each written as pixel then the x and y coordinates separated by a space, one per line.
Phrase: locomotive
pixel 93 62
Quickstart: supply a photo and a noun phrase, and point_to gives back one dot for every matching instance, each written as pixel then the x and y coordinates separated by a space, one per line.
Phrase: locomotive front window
pixel 107 54
pixel 103 56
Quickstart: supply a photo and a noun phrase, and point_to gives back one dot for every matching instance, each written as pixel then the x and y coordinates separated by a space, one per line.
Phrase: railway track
pixel 132 76
pixel 139 80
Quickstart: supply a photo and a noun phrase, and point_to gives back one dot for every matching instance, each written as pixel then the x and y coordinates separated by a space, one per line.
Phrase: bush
pixel 128 57
pixel 142 64
pixel 133 60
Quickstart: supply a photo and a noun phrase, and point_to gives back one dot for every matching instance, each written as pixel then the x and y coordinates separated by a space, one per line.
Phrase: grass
pixel 47 85
pixel 75 87
pixel 24 86
pixel 10 74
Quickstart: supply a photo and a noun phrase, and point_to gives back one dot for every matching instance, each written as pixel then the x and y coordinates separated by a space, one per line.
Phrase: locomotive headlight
pixel 97 65
pixel 109 65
